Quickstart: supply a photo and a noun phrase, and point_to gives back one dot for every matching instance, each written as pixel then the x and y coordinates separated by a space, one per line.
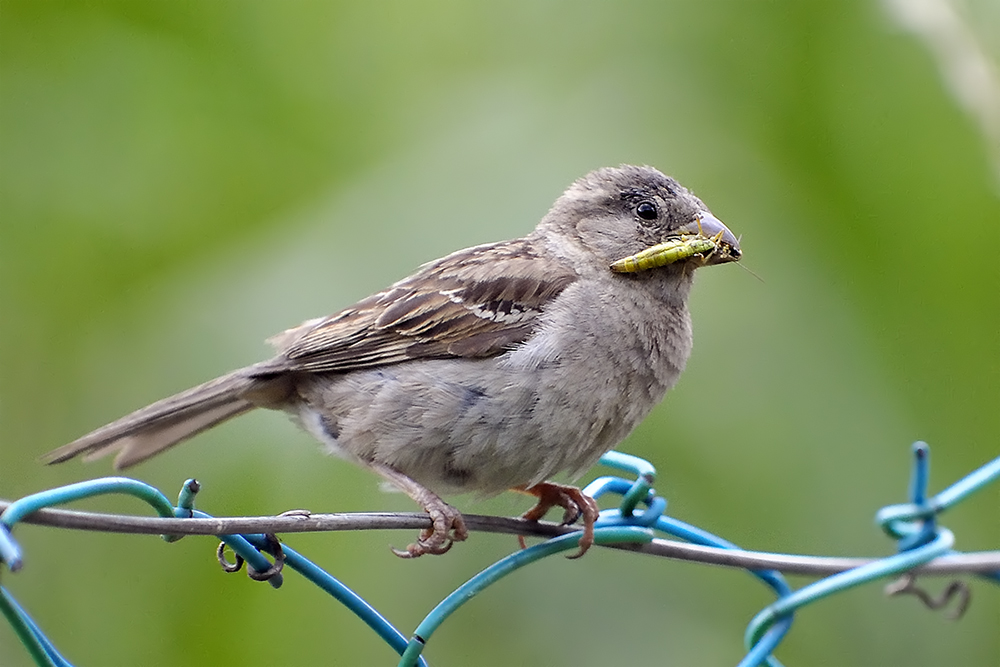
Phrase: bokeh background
pixel 181 180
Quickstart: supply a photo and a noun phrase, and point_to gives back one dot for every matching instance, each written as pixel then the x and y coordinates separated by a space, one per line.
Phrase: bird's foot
pixel 575 503
pixel 448 527
pixel 447 524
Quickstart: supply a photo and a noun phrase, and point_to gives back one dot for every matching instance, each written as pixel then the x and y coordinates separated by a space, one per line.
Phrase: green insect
pixel 665 253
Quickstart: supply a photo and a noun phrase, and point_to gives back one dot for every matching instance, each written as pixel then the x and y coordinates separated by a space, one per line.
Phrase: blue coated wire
pixel 695 535
pixel 919 481
pixel 39 647
pixel 185 499
pixel 760 653
pixel 844 580
pixel 629 463
pixel 242 546
pixel 632 493
pixel 21 508
pixel 354 602
pixel 892 516
pixel 238 543
pixel 640 491
pixel 645 476
pixel 10 553
pixel 502 568
pixel 607 484
pixel 249 546
pixel 915 523
pixel 921 477
pixel 37 644
pixel 968 484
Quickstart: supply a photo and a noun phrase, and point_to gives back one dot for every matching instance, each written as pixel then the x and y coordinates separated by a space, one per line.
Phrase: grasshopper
pixel 668 252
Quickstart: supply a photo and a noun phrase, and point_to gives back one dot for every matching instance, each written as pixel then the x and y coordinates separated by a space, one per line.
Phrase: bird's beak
pixel 706 225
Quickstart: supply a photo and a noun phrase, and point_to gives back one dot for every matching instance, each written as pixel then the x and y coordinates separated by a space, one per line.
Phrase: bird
pixel 491 369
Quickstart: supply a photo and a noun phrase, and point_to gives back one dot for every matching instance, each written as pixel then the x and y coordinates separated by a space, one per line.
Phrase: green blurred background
pixel 180 180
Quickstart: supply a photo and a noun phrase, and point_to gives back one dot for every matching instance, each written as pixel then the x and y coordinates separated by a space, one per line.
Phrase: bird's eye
pixel 647 211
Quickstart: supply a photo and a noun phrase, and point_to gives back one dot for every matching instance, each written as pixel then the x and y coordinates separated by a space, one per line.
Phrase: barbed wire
pixel 924 548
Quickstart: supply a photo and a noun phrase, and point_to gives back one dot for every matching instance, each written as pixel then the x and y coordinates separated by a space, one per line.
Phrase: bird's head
pixel 636 219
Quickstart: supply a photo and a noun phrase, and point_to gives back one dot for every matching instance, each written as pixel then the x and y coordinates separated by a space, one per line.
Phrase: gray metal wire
pixel 964 563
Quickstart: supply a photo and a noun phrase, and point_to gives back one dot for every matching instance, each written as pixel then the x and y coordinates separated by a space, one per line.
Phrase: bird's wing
pixel 474 303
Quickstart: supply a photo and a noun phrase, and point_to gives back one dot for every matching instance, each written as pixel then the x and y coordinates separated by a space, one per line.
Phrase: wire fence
pixel 924 548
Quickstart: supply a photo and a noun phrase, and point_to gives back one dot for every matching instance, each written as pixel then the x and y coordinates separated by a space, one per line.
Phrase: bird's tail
pixel 152 429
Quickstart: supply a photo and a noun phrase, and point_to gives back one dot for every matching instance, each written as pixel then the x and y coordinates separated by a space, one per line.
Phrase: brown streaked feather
pixel 474 303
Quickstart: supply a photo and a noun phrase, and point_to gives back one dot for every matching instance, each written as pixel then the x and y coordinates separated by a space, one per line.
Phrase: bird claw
pixel 447 524
pixel 575 503
pixel 448 527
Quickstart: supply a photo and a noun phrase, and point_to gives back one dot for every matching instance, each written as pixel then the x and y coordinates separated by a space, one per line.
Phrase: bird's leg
pixel 575 503
pixel 447 523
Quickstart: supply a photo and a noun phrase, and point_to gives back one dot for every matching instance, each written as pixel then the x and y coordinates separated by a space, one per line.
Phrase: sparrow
pixel 491 369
